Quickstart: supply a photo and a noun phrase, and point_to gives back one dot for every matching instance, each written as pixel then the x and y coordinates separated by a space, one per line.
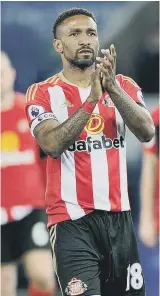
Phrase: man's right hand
pixel 96 87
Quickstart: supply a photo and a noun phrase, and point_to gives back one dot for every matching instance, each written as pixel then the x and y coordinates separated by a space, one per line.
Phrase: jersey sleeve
pixel 37 107
pixel 132 89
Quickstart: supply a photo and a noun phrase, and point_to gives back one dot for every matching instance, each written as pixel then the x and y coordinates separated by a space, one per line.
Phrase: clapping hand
pixel 107 66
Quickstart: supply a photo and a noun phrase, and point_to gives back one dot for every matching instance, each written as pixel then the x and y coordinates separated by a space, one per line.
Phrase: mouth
pixel 85 51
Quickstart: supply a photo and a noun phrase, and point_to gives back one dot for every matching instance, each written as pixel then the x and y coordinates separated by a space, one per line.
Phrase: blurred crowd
pixel 27 57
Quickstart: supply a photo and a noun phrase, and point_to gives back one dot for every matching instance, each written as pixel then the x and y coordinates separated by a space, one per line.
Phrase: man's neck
pixel 78 77
pixel 7 100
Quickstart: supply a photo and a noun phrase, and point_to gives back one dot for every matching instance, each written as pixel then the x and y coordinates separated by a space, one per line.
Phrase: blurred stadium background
pixel 133 27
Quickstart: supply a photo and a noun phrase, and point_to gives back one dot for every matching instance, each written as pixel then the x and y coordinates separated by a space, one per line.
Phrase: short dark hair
pixel 68 13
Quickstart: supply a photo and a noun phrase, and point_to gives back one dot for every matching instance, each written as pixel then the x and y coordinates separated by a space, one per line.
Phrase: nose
pixel 84 41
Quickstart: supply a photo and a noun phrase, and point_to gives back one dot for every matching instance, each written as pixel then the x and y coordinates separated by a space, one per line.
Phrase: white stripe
pixel 57 101
pixel 123 166
pixel 53 234
pixel 3 216
pixel 54 255
pixel 59 284
pixel 68 175
pixel 99 167
pixel 68 186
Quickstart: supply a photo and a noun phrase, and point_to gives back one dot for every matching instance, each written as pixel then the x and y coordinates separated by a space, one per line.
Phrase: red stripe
pixel 54 201
pixel 110 131
pixel 82 159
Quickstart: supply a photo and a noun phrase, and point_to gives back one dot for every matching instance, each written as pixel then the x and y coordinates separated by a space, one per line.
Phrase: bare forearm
pixel 67 133
pixel 58 139
pixel 135 117
pixel 148 199
pixel 148 185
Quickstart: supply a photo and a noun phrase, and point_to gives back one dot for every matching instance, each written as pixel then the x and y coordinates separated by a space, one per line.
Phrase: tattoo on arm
pixel 61 137
pixel 135 117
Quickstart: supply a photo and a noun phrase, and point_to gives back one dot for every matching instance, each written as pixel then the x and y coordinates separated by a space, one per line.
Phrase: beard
pixel 81 63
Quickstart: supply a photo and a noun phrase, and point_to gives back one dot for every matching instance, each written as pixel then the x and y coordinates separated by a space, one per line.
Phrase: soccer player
pixel 78 117
pixel 149 216
pixel 23 222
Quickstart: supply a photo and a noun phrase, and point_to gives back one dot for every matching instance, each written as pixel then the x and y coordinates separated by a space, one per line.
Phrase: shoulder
pixel 40 88
pixel 51 81
pixel 155 115
pixel 126 81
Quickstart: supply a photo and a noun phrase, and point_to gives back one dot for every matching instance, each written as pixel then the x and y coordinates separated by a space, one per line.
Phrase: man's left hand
pixel 107 65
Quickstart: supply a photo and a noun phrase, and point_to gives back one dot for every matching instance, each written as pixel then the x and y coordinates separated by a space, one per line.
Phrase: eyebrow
pixel 79 30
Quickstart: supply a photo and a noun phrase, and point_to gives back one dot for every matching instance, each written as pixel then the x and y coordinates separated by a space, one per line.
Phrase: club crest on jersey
pixel 108 102
pixel 75 287
pixel 34 111
pixel 95 124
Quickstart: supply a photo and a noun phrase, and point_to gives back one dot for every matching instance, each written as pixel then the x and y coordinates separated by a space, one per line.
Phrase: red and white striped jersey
pixel 92 173
pixel 21 172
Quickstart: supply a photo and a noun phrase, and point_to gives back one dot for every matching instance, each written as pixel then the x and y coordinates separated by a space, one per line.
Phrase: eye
pixel 74 34
pixel 92 34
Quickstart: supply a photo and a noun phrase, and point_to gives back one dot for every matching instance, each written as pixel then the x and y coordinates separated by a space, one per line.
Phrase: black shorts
pixel 97 255
pixel 21 236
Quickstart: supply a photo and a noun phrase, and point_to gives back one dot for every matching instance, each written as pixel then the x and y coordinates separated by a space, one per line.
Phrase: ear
pixel 57 43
